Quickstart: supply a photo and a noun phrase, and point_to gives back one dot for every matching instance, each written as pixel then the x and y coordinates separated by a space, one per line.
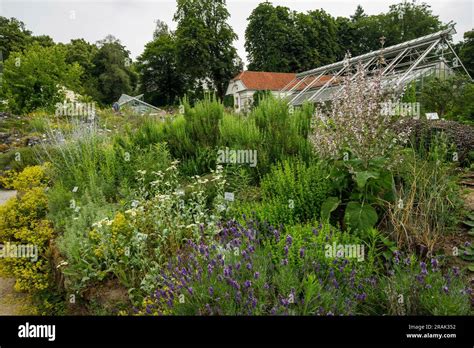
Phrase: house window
pixel 237 102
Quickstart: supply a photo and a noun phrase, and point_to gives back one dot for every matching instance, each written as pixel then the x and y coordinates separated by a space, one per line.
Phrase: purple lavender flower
pixel 420 278
pixel 396 257
pixel 234 284
pixel 249 266
pixel 227 272
pixel 434 264
pixel 256 275
pixel 456 271
pixel 277 235
pixel 423 268
pixel 302 252
pixel 289 240
pixel 407 261
pixel 285 249
pixel 254 302
pixel 284 262
pixel 445 289
pixel 266 286
pixel 238 296
pixel 190 289
pixel 247 284
pixel 211 291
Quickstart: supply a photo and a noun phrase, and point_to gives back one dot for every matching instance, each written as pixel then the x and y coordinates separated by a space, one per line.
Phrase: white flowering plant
pixel 356 137
pixel 159 220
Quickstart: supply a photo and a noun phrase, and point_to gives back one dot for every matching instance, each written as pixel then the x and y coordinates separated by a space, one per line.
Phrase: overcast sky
pixel 132 21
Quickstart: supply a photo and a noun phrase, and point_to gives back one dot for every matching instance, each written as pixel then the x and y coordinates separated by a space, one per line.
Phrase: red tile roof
pixel 274 81
pixel 261 80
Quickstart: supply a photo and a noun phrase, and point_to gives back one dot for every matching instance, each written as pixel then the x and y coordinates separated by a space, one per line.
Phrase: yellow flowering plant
pixel 25 232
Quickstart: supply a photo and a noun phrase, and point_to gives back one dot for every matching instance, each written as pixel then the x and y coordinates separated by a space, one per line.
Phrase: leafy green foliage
pixel 449 97
pixel 113 70
pixel 291 192
pixel 31 79
pixel 15 36
pixel 160 79
pixel 204 43
pixel 280 40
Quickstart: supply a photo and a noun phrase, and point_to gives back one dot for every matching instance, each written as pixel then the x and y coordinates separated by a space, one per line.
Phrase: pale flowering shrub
pixel 170 213
pixel 355 124
pixel 355 133
pixel 163 216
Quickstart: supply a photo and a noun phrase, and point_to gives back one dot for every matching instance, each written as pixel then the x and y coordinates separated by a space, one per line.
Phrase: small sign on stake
pixel 229 196
pixel 432 116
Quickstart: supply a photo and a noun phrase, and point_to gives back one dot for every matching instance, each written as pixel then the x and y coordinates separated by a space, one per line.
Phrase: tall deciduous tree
pixel 466 52
pixel 113 70
pixel 205 44
pixel 272 40
pixel 82 52
pixel 13 36
pixel 160 80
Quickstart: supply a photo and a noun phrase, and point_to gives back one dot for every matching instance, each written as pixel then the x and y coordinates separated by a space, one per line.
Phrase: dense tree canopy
pixel 466 52
pixel 13 36
pixel 204 40
pixel 113 70
pixel 278 39
pixel 31 78
pixel 160 80
pixel 200 54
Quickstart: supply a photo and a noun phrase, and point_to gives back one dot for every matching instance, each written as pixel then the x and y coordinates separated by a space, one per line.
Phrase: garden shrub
pixel 19 158
pixel 236 275
pixel 291 192
pixel 282 130
pixel 202 122
pixel 23 223
pixel 357 140
pixel 415 288
pixel 424 133
pixel 155 224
